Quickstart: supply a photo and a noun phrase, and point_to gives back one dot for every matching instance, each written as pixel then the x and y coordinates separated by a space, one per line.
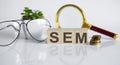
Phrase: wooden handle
pixel 105 32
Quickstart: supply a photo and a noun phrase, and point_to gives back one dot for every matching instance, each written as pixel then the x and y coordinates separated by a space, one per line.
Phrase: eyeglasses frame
pixel 25 30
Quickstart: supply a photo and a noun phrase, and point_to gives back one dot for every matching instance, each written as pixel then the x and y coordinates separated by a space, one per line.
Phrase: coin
pixel 95 40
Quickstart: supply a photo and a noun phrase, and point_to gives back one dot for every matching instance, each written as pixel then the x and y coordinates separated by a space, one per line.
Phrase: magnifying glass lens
pixel 70 18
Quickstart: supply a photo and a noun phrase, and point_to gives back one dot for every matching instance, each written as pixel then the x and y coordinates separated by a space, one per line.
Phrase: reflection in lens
pixel 38 29
pixel 8 32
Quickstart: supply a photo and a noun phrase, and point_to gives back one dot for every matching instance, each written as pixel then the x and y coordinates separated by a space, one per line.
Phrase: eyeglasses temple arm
pixel 3 28
pixel 10 26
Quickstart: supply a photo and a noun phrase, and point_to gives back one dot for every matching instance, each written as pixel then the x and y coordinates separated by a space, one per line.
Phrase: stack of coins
pixel 95 40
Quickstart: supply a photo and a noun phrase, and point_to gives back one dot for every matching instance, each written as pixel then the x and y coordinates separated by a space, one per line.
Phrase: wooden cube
pixel 67 35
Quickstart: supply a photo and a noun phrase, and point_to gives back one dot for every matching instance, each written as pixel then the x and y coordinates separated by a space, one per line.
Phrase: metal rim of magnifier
pixel 16 36
pixel 84 25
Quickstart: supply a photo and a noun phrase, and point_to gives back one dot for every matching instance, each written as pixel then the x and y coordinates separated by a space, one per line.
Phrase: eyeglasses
pixel 10 30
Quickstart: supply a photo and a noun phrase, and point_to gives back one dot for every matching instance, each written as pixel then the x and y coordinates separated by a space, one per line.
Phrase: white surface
pixel 27 52
pixel 102 13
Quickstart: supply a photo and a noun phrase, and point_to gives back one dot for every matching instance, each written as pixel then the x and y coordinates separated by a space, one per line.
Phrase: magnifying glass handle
pixel 105 32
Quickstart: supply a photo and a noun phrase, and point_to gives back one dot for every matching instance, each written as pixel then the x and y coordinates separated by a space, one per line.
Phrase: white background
pixel 102 13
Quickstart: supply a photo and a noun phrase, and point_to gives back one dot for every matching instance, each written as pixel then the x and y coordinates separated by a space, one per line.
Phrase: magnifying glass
pixel 84 22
